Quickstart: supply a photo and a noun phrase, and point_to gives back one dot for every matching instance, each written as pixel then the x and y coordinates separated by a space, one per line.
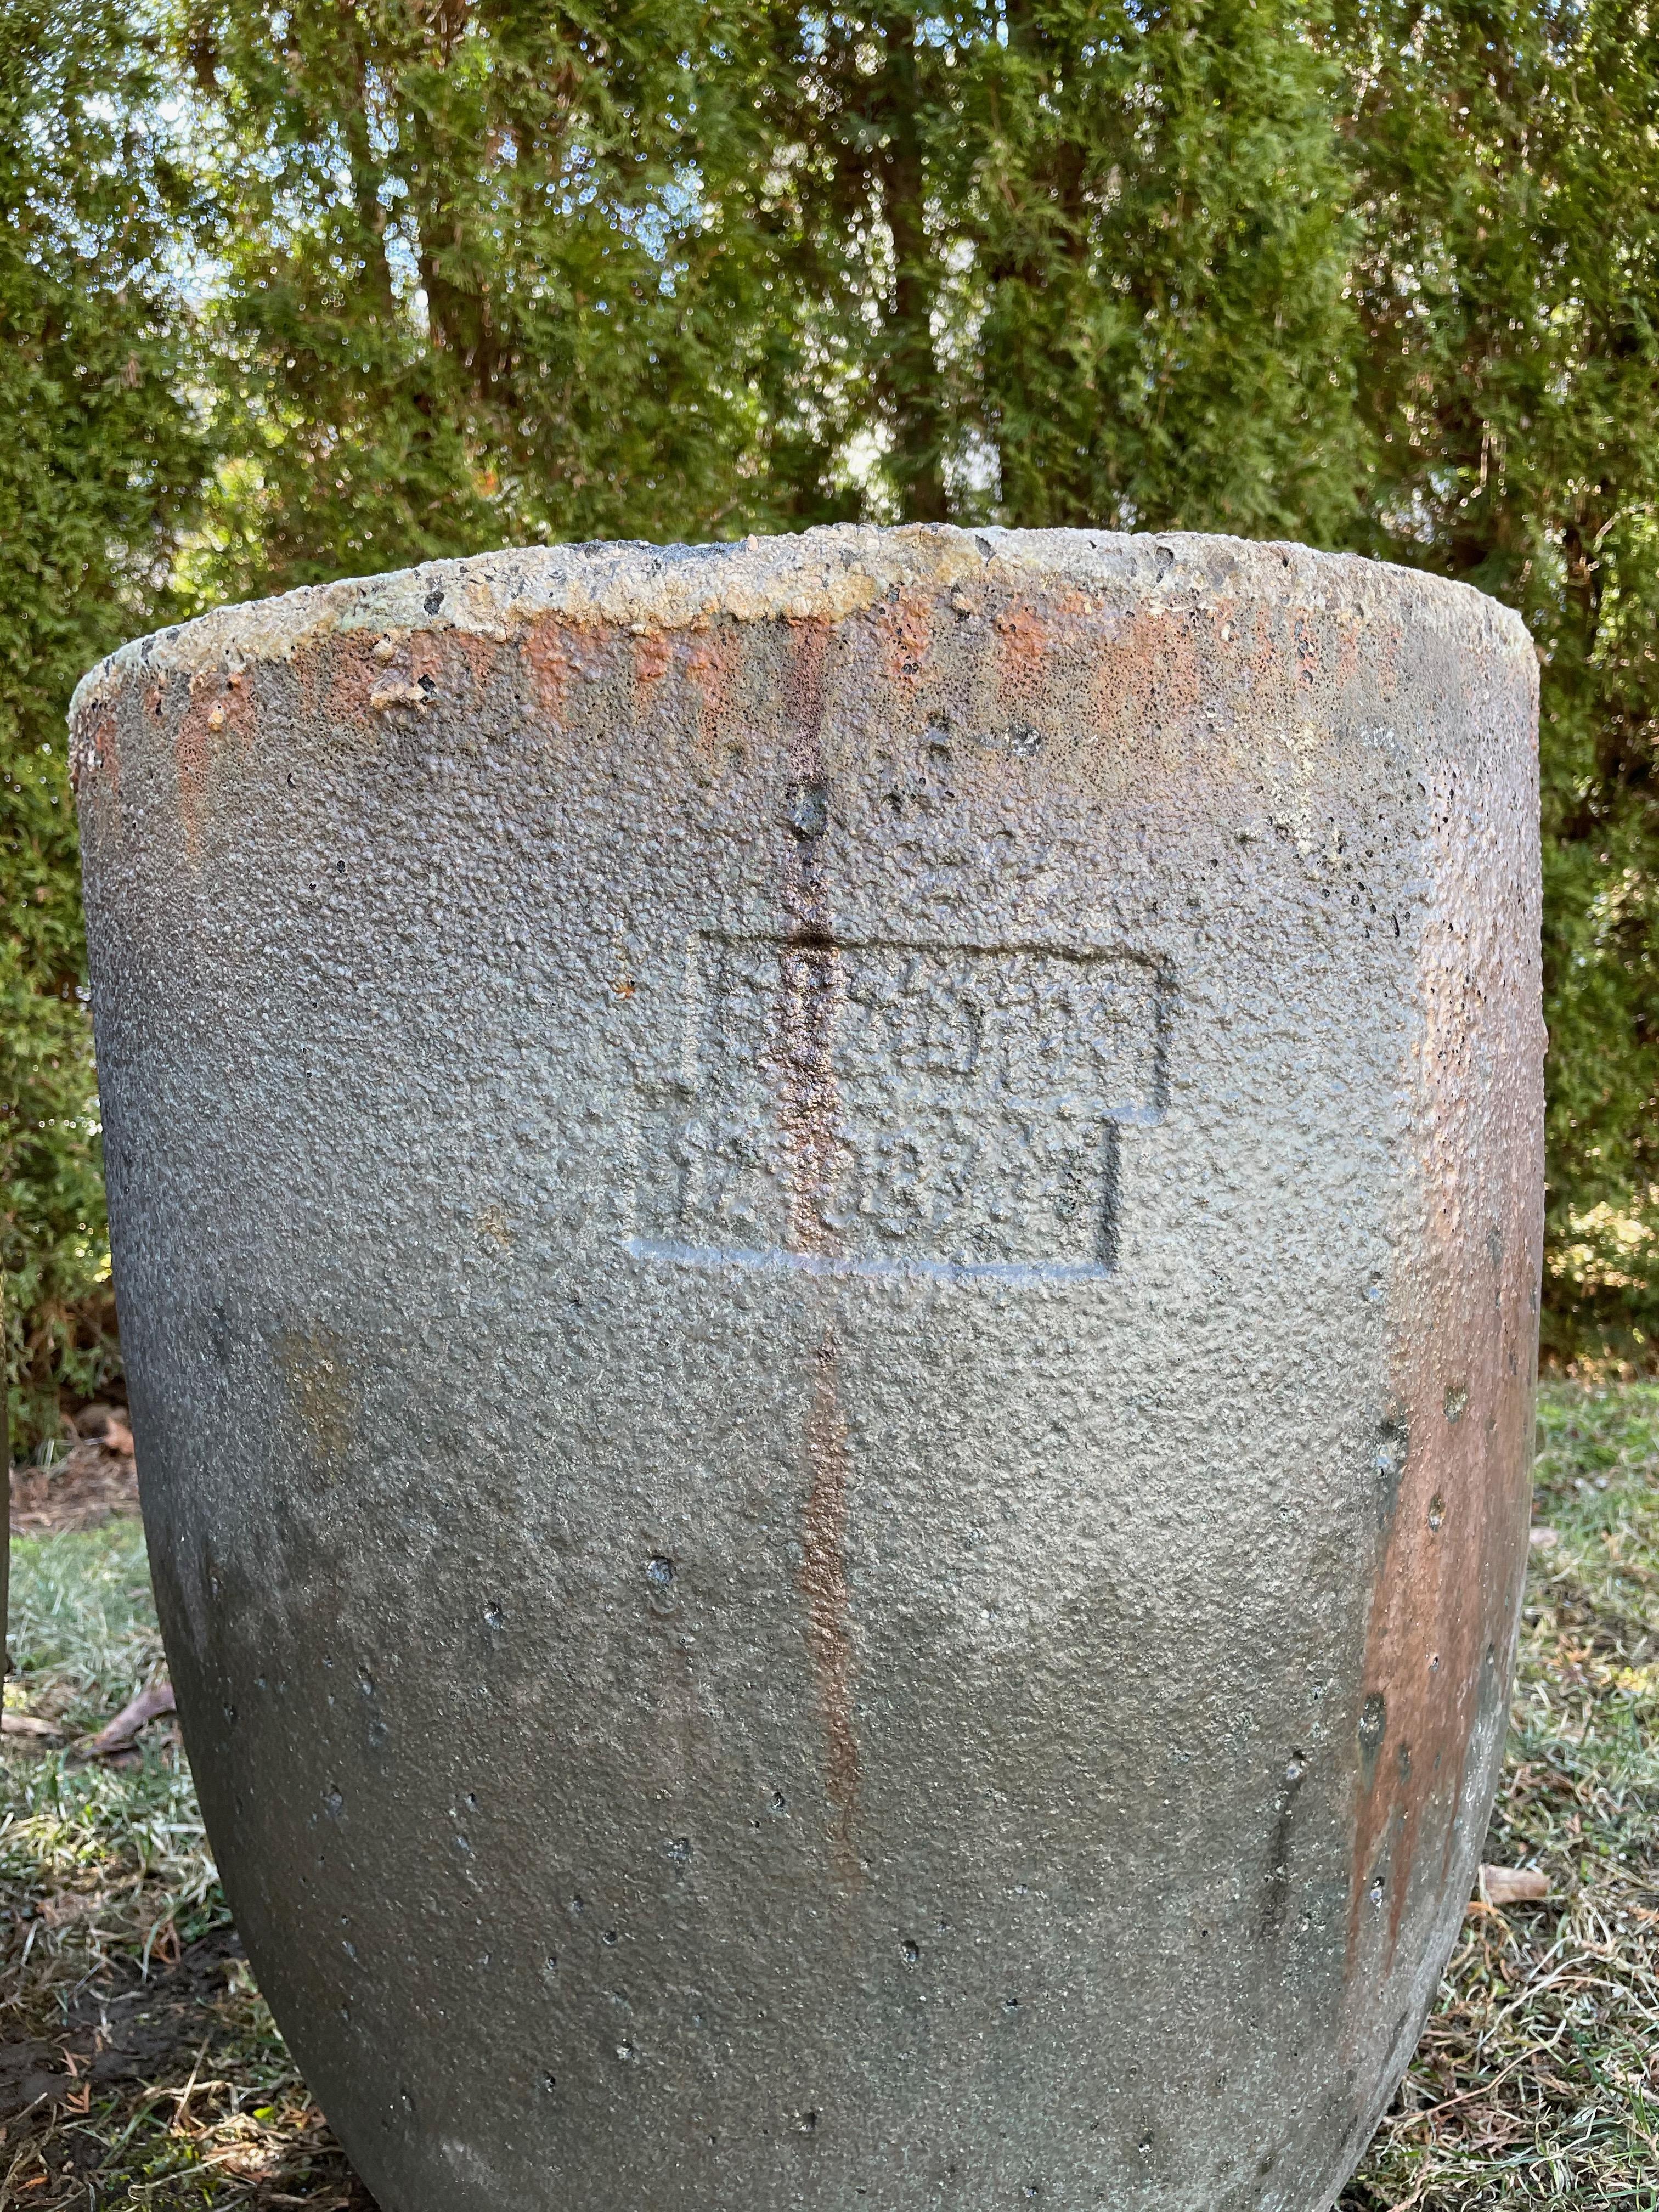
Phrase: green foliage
pixel 471 288
pixel 503 272
pixel 390 279
pixel 1165 244
pixel 1508 292
pixel 98 464
pixel 1049 261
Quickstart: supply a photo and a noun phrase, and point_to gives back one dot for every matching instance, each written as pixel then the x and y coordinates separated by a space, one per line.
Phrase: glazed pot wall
pixel 828 1260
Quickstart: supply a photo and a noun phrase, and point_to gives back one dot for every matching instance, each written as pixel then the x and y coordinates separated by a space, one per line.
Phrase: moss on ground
pixel 139 2067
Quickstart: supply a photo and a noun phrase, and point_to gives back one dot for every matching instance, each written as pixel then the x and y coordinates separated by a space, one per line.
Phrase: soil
pixel 86 1488
pixel 121 2028
pixel 127 2032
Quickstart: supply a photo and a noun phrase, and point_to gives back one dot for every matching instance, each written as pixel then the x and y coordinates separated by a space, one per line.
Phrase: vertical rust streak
pixel 809 1115
pixel 809 965
pixel 804 889
pixel 809 1106
pixel 824 1586
pixel 1453 1553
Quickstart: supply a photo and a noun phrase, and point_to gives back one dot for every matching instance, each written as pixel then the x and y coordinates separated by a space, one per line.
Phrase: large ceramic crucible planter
pixel 828 1254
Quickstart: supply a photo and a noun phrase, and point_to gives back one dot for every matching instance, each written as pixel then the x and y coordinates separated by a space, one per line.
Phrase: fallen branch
pixel 123 1731
pixel 26 1724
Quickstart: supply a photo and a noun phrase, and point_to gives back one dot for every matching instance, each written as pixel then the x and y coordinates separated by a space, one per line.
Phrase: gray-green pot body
pixel 829 1257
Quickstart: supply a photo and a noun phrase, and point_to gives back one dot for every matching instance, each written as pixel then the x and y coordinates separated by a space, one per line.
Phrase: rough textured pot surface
pixel 828 1254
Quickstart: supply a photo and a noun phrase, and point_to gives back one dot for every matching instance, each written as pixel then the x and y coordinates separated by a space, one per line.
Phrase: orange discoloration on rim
pixel 369 680
pixel 653 656
pixel 97 751
pixel 1388 663
pixel 905 627
pixel 1154 670
pixel 219 712
pixel 1023 639
pixel 1308 632
pixel 546 649
pixel 711 667
pixel 1347 651
pixel 349 671
pixel 463 658
pixel 1264 656
pixel 430 654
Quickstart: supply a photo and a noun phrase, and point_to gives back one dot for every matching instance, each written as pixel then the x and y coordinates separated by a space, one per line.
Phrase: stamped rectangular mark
pixel 872 1107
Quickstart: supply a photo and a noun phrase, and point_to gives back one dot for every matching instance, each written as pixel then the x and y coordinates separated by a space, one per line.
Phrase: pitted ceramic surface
pixel 821 575
pixel 868 1210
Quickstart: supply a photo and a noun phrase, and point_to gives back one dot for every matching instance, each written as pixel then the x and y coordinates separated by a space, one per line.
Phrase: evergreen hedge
pixel 300 291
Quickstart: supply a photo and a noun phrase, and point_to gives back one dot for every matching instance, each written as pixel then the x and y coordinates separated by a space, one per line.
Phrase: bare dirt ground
pixel 83 1489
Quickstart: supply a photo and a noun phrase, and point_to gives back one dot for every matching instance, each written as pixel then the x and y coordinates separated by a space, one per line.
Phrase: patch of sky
pixel 972 472
pixel 659 224
pixel 380 116
pixel 1410 520
pixel 405 264
pixel 861 464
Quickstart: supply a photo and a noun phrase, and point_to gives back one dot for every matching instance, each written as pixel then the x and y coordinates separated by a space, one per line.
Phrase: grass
pixel 140 2069
pixel 176 2092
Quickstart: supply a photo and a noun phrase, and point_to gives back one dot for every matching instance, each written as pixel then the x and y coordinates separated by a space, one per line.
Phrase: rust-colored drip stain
pixel 461 662
pixel 653 656
pixel 1347 654
pixel 906 631
pixel 824 1586
pixel 809 1113
pixel 808 1105
pixel 808 797
pixel 548 653
pixel 1389 658
pixel 711 667
pixel 98 752
pixel 1453 1550
pixel 346 673
pixel 392 682
pixel 219 712
pixel 1443 1604
pixel 1025 640
pixel 1156 669
pixel 1307 633
pixel 1262 658
pixel 810 964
